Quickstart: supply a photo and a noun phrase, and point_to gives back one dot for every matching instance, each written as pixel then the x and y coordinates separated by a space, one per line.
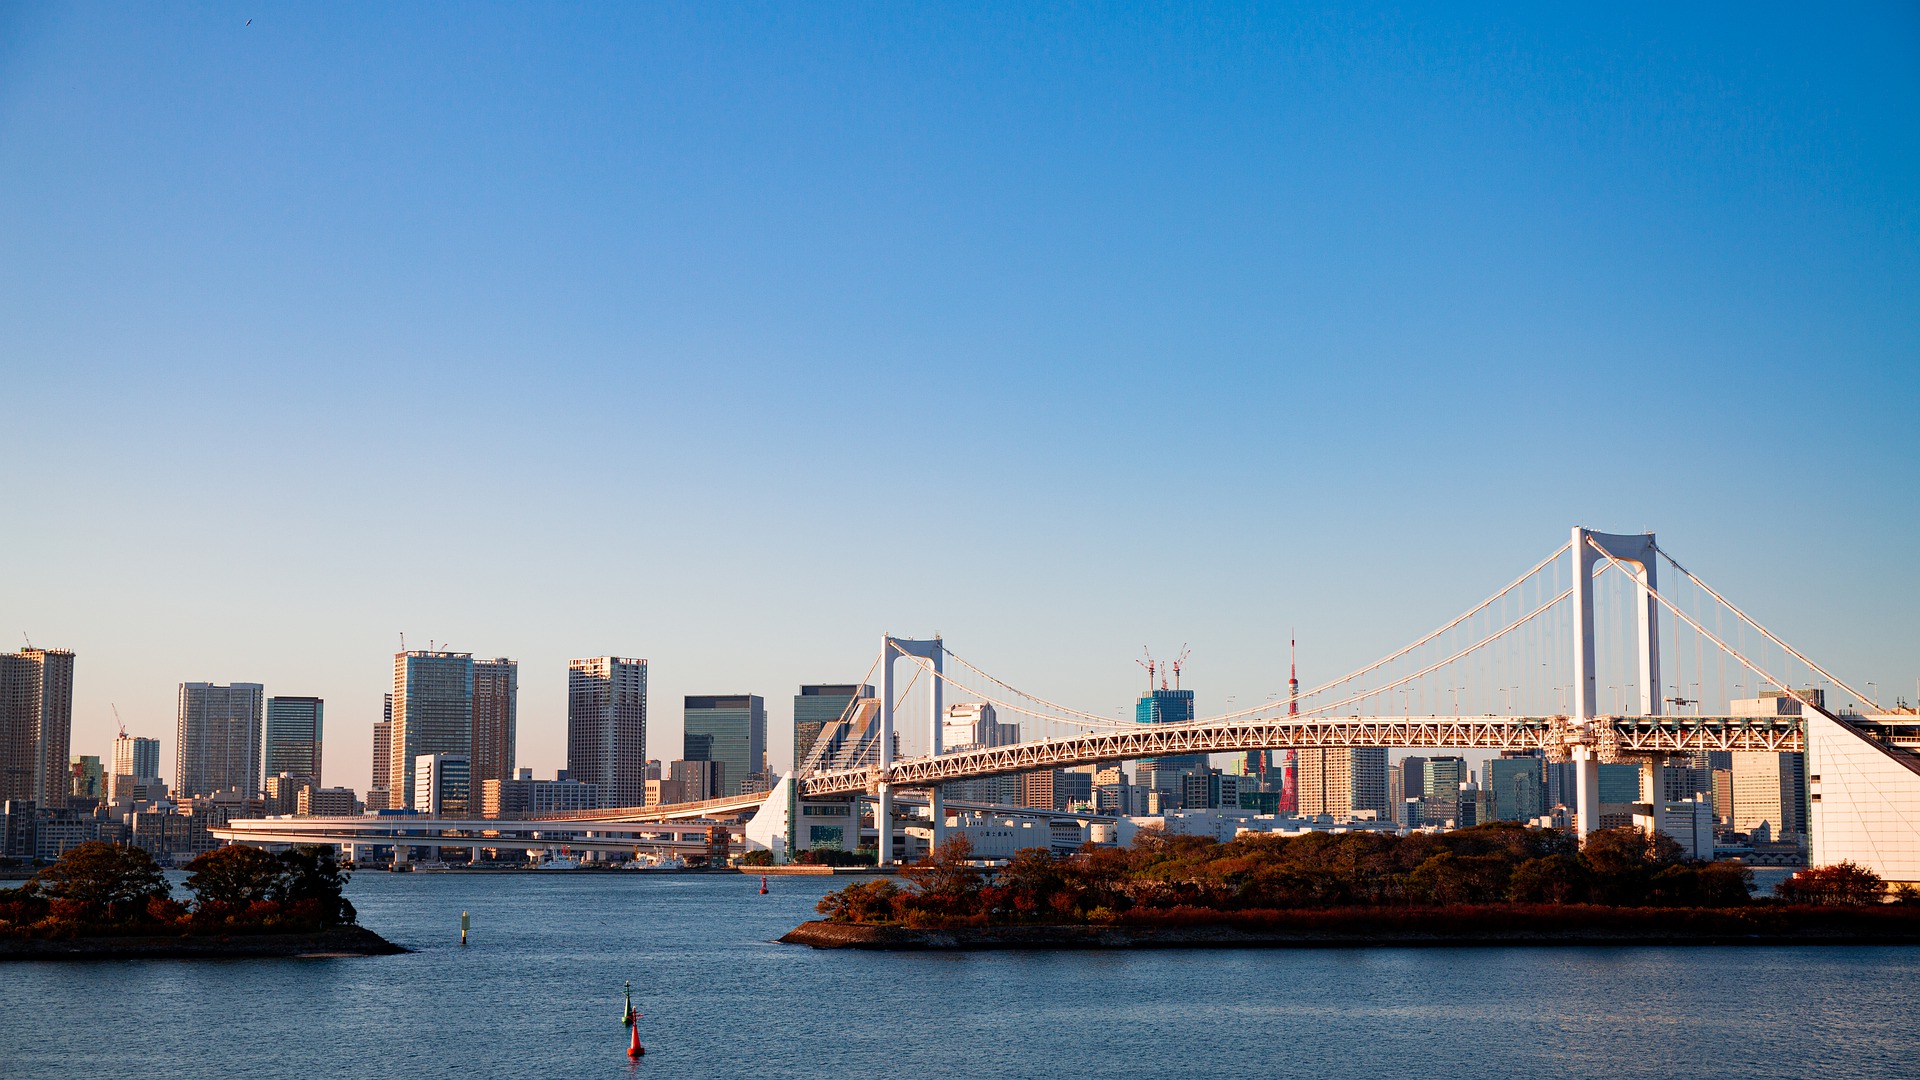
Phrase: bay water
pixel 537 992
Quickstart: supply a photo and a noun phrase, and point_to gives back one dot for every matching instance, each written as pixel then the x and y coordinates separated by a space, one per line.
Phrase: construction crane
pixel 1150 665
pixel 1178 663
pixel 117 720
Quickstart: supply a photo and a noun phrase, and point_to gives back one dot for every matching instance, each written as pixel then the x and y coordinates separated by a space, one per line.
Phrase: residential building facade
pixel 607 727
pixel 220 729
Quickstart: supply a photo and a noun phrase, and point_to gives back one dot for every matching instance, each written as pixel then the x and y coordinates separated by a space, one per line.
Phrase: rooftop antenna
pixel 403 641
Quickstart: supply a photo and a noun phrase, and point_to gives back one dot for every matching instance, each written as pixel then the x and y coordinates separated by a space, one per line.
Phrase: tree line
pixel 1496 863
pixel 99 888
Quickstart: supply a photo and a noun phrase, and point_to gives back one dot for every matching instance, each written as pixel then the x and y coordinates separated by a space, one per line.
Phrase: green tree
pixel 235 877
pixel 98 880
pixel 313 884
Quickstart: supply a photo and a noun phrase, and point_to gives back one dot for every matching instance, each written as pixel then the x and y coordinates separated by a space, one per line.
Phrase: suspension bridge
pixel 1522 670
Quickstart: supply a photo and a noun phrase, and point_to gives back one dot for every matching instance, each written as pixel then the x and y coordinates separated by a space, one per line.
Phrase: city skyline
pixel 1198 326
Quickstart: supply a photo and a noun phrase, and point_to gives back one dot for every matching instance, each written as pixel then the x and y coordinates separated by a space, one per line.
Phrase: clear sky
pixel 733 337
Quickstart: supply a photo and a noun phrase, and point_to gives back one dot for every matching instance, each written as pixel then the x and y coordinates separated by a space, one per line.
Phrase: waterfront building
pixel 1341 780
pixel 1518 786
pixel 219 738
pixel 36 725
pixel 326 802
pixel 294 735
pixel 607 727
pixel 524 797
pixel 814 707
pixel 441 785
pixel 729 729
pixel 88 780
pixel 496 694
pixel 136 757
pixel 432 714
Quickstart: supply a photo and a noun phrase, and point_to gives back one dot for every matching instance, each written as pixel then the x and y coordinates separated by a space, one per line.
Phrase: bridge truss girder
pixel 1612 738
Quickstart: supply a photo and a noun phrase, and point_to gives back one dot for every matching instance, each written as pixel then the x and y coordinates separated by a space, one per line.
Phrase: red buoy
pixel 634 1049
pixel 763 886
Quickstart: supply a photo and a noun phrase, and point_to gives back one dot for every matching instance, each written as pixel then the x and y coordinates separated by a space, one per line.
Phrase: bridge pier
pixel 883 823
pixel 937 806
pixel 1586 798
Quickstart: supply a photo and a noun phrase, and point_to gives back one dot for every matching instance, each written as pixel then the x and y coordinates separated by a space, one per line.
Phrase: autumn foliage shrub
pixel 1191 878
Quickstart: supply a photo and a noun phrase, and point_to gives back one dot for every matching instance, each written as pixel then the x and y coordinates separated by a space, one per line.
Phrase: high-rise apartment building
pixel 219 738
pixel 432 714
pixel 814 707
pixel 607 727
pixel 294 735
pixel 36 725
pixel 496 693
pixel 731 729
pixel 136 757
pixel 1342 781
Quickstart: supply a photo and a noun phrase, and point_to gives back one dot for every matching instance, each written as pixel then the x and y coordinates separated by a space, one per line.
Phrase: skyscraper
pixel 607 727
pixel 380 793
pixel 1519 787
pixel 731 729
pixel 219 738
pixel 294 735
pixel 1770 794
pixel 814 707
pixel 1167 775
pixel 432 714
pixel 496 691
pixel 36 725
pixel 1341 780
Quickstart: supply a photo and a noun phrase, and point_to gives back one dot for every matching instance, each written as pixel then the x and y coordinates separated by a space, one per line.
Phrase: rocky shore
pixel 339 941
pixel 1409 928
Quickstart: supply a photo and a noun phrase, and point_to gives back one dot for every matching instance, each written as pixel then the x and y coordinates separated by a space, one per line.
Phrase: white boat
pixel 559 862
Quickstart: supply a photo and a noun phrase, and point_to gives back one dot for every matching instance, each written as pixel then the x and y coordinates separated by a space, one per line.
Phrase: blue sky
pixel 734 337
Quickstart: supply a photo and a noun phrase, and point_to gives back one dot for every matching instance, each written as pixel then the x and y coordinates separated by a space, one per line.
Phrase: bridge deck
pixel 1613 735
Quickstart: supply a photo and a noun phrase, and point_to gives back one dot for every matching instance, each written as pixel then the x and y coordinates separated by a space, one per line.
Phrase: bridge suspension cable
pixel 1768 634
pixel 1783 684
pixel 1390 658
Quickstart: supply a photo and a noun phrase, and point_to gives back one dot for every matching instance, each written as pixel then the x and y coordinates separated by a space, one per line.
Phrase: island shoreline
pixel 1771 929
pixel 339 941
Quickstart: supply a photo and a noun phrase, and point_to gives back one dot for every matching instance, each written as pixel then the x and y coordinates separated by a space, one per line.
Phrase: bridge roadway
pixel 660 837
pixel 1610 738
